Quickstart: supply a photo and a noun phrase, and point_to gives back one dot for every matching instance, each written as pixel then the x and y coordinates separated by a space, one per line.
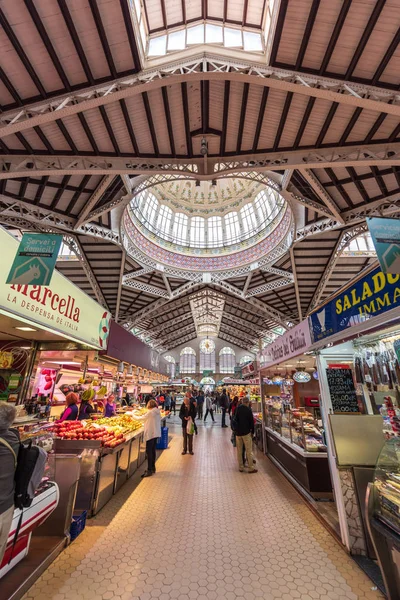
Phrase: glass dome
pixel 207 225
pixel 153 214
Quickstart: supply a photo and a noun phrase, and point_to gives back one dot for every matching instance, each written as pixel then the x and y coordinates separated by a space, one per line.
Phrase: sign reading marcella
pixel 61 307
pixel 295 341
pixel 372 295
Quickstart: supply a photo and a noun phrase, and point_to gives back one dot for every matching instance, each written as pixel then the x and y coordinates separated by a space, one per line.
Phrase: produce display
pixel 110 432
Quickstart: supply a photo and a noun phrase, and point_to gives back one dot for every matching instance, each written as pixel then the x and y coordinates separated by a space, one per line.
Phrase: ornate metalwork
pixel 322 193
pixel 267 287
pixel 204 66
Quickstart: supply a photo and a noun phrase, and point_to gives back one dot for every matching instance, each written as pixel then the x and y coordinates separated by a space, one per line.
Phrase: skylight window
pixel 195 35
pixel 233 38
pixel 205 33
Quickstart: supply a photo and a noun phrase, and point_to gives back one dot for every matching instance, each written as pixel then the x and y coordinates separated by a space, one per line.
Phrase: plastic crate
pixel 162 442
pixel 78 525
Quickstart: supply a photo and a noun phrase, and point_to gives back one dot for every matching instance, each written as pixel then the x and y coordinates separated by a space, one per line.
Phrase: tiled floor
pixel 200 530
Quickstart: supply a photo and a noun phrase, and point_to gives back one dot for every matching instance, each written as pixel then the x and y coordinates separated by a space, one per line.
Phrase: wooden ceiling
pixel 82 111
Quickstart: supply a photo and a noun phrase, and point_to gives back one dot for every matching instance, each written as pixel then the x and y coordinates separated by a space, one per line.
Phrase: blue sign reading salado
pixel 372 295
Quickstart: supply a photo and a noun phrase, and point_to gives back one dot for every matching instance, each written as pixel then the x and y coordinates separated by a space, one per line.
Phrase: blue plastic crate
pixel 162 442
pixel 78 525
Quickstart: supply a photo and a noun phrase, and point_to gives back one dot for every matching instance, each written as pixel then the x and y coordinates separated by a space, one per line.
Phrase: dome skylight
pixel 208 226
pixel 155 213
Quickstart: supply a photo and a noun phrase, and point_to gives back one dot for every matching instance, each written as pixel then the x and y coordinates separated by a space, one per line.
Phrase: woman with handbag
pixel 187 415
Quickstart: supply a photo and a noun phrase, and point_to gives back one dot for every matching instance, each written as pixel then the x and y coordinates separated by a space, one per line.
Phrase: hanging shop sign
pixel 385 234
pixel 342 390
pixel 370 296
pixel 35 259
pixel 208 373
pixel 295 341
pixel 61 307
pixel 249 370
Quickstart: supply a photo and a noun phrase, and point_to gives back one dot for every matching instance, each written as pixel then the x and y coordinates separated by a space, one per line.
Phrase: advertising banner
pixel 249 370
pixel 35 259
pixel 292 343
pixel 385 234
pixel 370 296
pixel 61 307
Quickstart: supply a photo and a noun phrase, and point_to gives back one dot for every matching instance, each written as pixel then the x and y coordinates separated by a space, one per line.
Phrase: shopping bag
pixel 233 439
pixel 190 427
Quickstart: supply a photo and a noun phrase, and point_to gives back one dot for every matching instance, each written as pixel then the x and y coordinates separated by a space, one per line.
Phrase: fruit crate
pixel 78 525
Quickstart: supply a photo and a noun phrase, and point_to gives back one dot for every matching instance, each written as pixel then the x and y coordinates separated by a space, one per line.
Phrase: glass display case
pixel 383 515
pixel 387 485
pixel 296 425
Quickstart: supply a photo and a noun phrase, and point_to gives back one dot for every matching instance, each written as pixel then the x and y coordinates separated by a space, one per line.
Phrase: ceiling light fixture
pixel 25 328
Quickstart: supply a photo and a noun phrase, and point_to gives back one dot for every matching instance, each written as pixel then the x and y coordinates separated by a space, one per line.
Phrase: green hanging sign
pixel 35 259
pixel 385 234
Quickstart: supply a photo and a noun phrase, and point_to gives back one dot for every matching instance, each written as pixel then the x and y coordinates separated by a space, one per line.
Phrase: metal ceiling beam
pixel 74 244
pixel 119 293
pixel 344 239
pixel 256 329
pixel 129 276
pixel 379 208
pixel 201 67
pixel 268 287
pixel 148 289
pixel 22 165
pixel 93 200
pixel 296 284
pixel 322 193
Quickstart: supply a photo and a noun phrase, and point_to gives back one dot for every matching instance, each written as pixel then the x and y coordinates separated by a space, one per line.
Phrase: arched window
pixel 150 211
pixel 207 355
pixel 164 220
pixel 214 232
pixel 232 227
pixel 227 360
pixel 248 219
pixel 245 359
pixel 171 365
pixel 187 361
pixel 179 229
pixel 197 237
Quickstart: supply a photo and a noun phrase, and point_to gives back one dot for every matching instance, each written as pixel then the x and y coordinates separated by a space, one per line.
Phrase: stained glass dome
pixel 207 225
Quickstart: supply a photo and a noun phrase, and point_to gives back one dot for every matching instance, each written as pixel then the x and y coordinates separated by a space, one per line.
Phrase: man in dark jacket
pixel 224 404
pixel 8 439
pixel 243 423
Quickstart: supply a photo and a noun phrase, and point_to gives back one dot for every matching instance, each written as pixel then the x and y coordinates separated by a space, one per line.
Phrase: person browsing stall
pixel 8 439
pixel 152 431
pixel 71 411
pixel 110 407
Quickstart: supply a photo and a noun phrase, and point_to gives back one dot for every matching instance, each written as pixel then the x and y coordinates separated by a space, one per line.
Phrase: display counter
pixel 309 469
pixel 383 515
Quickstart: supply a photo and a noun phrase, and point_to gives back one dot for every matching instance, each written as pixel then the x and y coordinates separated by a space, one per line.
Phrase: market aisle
pixel 200 530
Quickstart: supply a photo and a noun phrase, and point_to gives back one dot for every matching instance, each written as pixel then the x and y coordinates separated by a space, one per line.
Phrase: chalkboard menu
pixel 343 392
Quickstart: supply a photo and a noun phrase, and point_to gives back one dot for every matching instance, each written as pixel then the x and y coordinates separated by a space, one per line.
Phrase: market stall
pixel 293 429
pixel 356 336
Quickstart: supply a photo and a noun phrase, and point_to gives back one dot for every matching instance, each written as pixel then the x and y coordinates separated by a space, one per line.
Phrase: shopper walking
pixel 193 404
pixel 232 406
pixel 223 402
pixel 200 404
pixel 152 431
pixel 173 402
pixel 167 402
pixel 71 411
pixel 243 427
pixel 209 408
pixel 187 412
pixel 8 437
